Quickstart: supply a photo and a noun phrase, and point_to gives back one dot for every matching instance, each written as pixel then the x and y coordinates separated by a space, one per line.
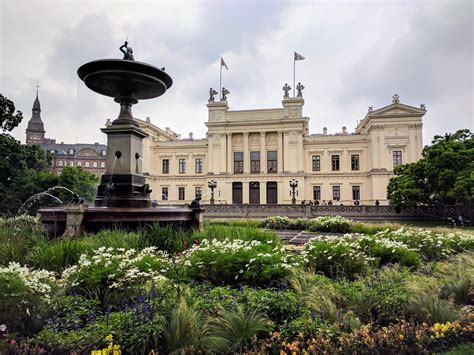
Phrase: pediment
pixel 397 110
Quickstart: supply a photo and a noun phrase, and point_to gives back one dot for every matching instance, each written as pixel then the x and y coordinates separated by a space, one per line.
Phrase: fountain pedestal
pixel 123 185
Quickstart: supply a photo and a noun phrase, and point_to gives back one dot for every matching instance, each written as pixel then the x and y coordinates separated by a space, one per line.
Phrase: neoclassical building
pixel 254 154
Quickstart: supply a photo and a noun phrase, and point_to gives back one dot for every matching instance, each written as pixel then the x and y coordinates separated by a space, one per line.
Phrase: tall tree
pixel 80 181
pixel 443 176
pixel 9 119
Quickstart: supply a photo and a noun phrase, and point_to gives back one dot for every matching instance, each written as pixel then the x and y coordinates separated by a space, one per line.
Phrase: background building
pixel 90 157
pixel 254 154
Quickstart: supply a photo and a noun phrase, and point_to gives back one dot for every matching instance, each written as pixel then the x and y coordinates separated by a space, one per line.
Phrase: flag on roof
pixel 223 63
pixel 299 56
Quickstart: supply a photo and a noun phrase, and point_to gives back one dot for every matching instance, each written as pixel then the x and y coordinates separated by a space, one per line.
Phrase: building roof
pixel 63 148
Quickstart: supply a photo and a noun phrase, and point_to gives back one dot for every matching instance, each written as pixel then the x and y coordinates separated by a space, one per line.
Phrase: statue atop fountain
pixel 127 51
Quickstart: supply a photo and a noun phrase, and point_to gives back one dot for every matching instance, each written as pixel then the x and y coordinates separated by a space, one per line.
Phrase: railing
pixel 367 213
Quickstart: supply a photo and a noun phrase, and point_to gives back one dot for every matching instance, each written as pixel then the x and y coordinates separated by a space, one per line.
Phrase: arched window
pixel 88 164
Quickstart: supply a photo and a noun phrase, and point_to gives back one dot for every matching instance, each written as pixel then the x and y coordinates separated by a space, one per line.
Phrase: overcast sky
pixel 358 54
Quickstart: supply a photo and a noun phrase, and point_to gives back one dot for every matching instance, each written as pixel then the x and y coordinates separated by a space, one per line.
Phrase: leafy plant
pixel 232 331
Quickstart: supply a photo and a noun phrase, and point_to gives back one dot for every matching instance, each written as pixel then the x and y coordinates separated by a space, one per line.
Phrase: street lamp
pixel 293 185
pixel 212 185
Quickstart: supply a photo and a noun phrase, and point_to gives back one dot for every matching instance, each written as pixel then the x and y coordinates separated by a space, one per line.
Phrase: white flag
pixel 223 63
pixel 299 56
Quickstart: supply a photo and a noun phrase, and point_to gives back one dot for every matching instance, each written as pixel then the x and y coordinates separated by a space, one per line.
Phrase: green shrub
pixel 231 262
pixel 17 236
pixel 279 305
pixel 113 274
pixel 58 254
pixel 276 222
pixel 389 251
pixel 169 238
pixel 231 331
pixel 222 232
pixel 24 297
pixel 337 257
pixel 329 224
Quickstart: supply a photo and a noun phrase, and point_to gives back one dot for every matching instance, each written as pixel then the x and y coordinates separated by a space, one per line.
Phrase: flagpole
pixel 294 68
pixel 220 80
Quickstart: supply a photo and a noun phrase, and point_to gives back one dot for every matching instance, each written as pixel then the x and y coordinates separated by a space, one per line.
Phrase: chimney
pixel 325 130
pixel 191 135
pixel 344 130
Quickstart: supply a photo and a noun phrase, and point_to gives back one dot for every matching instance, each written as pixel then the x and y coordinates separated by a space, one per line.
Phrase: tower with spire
pixel 35 129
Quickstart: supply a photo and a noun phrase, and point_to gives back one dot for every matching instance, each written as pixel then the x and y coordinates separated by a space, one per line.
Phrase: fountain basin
pixel 124 78
pixel 76 220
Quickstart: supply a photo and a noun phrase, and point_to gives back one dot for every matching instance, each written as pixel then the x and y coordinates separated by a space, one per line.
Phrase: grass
pixel 221 232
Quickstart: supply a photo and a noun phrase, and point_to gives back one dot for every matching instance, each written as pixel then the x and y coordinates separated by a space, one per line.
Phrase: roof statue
pixel 300 88
pixel 286 88
pixel 212 93
pixel 396 99
pixel 423 107
pixel 225 92
pixel 127 51
pixel 371 108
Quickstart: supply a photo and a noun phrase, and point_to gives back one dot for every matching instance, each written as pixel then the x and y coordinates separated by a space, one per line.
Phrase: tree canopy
pixel 443 176
pixel 9 119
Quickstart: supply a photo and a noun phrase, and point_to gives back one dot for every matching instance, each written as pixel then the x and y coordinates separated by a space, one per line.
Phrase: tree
pixel 8 118
pixel 80 181
pixel 23 173
pixel 443 176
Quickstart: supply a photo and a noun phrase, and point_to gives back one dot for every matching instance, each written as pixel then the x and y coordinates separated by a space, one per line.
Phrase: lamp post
pixel 212 185
pixel 293 185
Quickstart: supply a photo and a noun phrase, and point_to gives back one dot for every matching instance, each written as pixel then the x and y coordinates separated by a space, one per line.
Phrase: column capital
pixel 229 134
pixel 246 134
pixel 263 133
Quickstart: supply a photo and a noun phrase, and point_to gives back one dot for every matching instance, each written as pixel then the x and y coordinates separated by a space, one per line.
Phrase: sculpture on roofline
pixel 300 88
pixel 212 93
pixel 225 92
pixel 396 99
pixel 286 88
pixel 127 51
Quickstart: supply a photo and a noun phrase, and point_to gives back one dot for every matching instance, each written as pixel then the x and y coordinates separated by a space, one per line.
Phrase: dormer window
pixel 103 153
pixel 71 152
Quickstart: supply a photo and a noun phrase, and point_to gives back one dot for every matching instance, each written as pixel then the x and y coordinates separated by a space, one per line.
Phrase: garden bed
pixel 236 289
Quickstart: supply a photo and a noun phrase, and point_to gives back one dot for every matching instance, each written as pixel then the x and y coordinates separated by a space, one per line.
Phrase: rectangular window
pixel 316 193
pixel 88 164
pixel 164 193
pixel 60 163
pixel 316 163
pixel 182 166
pixel 238 162
pixel 94 164
pixel 397 158
pixel 166 166
pixel 336 193
pixel 102 164
pixel 181 194
pixel 255 162
pixel 71 163
pixel 356 193
pixel 355 162
pixel 198 165
pixel 198 192
pixel 79 163
pixel 335 162
pixel 272 162
pixel 71 152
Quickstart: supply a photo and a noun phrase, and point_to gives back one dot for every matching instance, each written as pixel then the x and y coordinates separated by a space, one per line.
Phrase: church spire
pixel 35 129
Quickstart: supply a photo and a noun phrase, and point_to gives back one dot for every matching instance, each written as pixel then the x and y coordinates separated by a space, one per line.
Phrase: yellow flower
pixel 109 338
pixel 401 337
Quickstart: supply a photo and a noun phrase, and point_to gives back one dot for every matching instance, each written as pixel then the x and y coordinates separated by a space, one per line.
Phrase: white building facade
pixel 254 154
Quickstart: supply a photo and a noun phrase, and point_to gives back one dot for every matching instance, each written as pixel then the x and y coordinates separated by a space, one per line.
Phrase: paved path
pixel 298 237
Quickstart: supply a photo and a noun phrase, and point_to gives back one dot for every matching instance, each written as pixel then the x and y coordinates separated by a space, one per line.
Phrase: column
pixel 263 154
pixel 222 161
pixel 246 153
pixel 229 153
pixel 210 161
pixel 286 152
pixel 280 151
pixel 300 152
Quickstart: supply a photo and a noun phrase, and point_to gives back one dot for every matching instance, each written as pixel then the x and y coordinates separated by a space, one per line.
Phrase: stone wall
pixel 360 213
